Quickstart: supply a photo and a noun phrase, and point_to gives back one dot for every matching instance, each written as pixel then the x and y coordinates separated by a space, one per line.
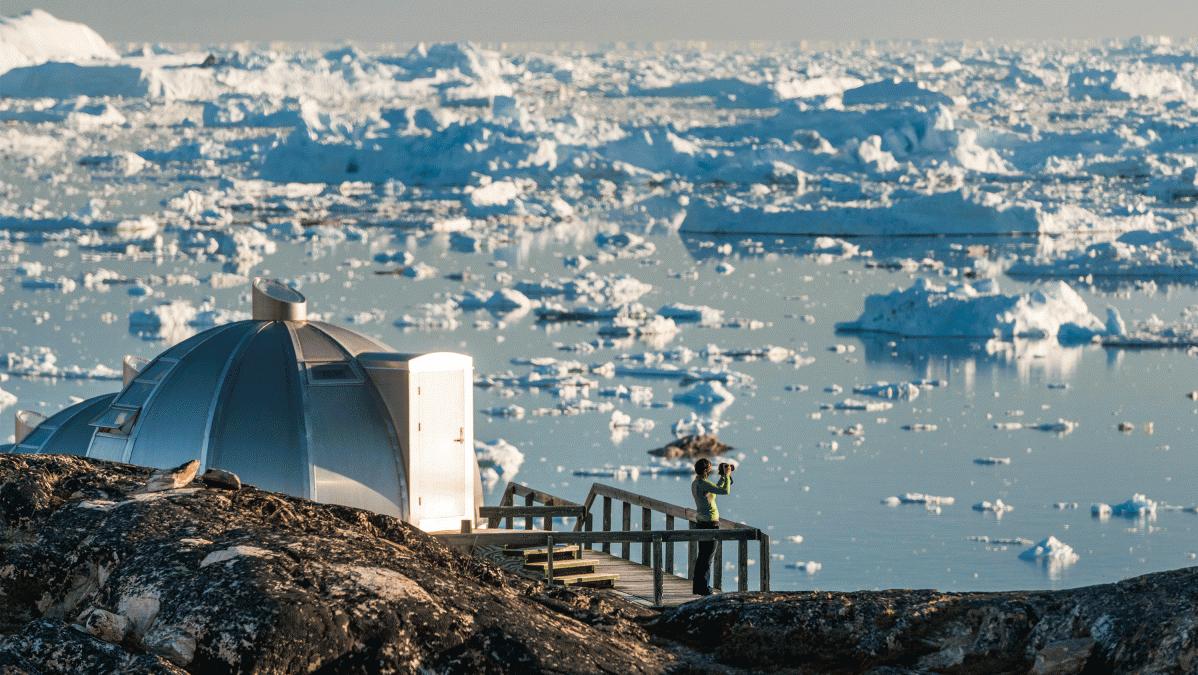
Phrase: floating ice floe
pixel 904 391
pixel 420 271
pixel 1001 541
pixel 43 362
pixel 706 395
pixel 634 393
pixel 509 411
pixel 979 310
pixel 808 566
pixel 852 404
pixel 497 459
pixel 1139 506
pixel 992 461
pixel 696 425
pixel 998 507
pixel 622 420
pixel 177 319
pixel 1062 426
pixel 1052 552
pixel 921 427
pixel 624 472
pixel 701 314
pixel 1146 253
pixel 930 502
pixel 436 316
pixel 7 399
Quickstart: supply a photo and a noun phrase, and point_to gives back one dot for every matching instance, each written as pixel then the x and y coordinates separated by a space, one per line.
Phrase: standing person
pixel 708 517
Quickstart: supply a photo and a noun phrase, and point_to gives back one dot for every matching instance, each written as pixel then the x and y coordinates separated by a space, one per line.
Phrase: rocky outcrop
pixel 1148 624
pixel 692 447
pixel 100 574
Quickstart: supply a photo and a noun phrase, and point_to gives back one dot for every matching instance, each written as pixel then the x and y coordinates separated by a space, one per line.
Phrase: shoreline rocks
pixel 97 575
pixel 1147 624
pixel 290 585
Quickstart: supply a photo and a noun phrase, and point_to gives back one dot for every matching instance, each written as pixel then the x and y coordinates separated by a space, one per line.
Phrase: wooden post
pixel 646 525
pixel 528 519
pixel 606 522
pixel 626 524
pixel 658 581
pixel 467 526
pixel 549 559
pixel 587 525
pixel 765 562
pixel 717 566
pixel 692 551
pixel 742 566
pixel 549 523
pixel 670 546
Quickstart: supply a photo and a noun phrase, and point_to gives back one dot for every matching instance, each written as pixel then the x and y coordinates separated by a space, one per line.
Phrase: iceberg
pixel 979 310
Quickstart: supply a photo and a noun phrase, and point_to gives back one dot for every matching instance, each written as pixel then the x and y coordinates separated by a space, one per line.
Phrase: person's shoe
pixel 705 591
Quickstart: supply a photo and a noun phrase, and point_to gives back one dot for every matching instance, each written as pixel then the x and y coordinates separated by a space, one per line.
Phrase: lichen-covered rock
pixel 212 580
pixel 1148 624
pixel 52 647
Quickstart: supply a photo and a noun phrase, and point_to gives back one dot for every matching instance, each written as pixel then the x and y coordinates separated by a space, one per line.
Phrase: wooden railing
pixel 673 513
pixel 551 506
pixel 657 547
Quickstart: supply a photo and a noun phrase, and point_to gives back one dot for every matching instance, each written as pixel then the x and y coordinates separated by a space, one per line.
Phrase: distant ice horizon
pixel 622 21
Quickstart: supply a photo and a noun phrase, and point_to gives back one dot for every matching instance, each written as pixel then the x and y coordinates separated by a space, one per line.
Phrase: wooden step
pixel 563 567
pixel 538 554
pixel 590 580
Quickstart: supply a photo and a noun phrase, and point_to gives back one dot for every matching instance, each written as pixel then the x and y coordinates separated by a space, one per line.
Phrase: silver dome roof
pixel 285 404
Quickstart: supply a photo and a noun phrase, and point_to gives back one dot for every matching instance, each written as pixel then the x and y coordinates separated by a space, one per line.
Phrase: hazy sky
pixel 617 20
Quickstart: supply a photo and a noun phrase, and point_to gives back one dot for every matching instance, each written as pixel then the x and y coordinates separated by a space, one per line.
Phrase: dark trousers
pixel 702 578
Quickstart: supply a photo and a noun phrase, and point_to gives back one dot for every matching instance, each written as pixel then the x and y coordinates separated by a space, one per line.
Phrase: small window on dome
pixel 334 372
pixel 116 420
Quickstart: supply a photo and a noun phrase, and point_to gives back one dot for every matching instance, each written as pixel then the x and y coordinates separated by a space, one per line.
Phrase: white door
pixel 442 472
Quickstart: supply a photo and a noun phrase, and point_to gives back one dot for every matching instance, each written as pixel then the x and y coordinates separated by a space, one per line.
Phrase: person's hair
pixel 702 466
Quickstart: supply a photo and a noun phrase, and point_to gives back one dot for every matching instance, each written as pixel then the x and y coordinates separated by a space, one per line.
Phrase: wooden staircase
pixel 568 568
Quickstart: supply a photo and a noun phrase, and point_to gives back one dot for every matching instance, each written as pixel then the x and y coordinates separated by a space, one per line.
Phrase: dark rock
pixel 50 646
pixel 692 447
pixel 220 581
pixel 1063 657
pixel 221 479
pixel 1146 624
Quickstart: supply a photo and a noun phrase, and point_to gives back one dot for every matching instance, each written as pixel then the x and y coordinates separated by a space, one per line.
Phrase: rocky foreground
pixel 103 569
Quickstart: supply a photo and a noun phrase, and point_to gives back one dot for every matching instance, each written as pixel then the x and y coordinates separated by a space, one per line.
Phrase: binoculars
pixel 726 468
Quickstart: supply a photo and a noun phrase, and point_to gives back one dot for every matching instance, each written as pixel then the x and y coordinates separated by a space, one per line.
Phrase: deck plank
pixel 635 580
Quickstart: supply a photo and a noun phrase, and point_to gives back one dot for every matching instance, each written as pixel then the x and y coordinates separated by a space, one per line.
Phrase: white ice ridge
pixel 980 310
pixel 37 36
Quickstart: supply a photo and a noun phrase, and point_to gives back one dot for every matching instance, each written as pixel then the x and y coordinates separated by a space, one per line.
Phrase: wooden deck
pixel 635 582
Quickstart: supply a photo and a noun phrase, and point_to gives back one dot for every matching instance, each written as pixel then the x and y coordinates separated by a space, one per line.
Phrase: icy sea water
pixel 790 481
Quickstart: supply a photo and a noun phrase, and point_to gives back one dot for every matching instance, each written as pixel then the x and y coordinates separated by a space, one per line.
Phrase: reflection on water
pixel 960 361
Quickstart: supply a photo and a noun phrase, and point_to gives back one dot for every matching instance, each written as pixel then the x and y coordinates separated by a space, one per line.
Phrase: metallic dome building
pixel 296 406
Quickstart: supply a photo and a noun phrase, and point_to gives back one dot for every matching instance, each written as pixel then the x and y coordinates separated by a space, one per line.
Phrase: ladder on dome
pixel 639 564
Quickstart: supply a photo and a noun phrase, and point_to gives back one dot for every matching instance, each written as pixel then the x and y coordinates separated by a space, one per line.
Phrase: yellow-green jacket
pixel 704 492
